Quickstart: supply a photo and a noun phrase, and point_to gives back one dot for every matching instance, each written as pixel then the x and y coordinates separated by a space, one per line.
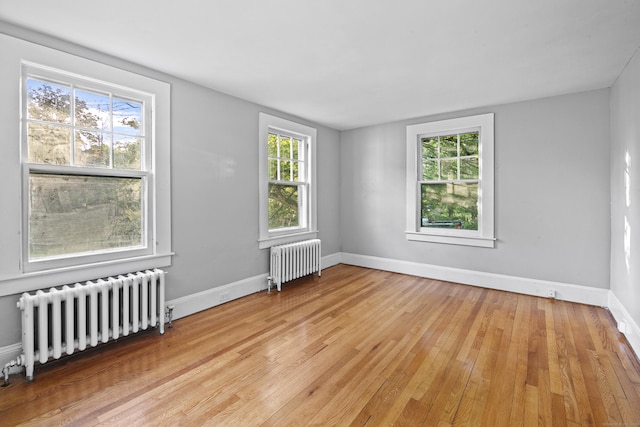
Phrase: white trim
pixel 626 325
pixel 485 235
pixel 194 303
pixel 190 304
pixel 288 238
pixel 14 279
pixel 309 229
pixel 502 282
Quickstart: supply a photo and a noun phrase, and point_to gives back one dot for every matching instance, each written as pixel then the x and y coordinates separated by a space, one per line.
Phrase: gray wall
pixel 625 188
pixel 214 179
pixel 552 192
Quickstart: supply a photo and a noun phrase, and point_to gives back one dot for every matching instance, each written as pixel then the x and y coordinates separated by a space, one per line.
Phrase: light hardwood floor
pixel 354 347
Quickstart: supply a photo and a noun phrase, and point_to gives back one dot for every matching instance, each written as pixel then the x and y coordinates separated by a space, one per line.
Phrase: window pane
pixel 49 144
pixel 296 149
pixel 93 110
pixel 127 116
pixel 430 147
pixel 272 145
pixel 294 171
pixel 273 169
pixel 126 152
pixel 285 170
pixel 449 146
pixel 285 147
pixel 71 214
pixel 93 149
pixel 450 206
pixel 469 168
pixel 48 102
pixel 469 144
pixel 449 169
pixel 430 170
pixel 283 206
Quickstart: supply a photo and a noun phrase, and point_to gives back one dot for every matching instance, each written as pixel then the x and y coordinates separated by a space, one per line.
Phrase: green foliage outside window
pixel 70 213
pixel 449 187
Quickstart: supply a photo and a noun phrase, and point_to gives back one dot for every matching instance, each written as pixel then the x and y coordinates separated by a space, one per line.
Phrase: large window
pixel 450 181
pixel 84 170
pixel 287 181
pixel 85 154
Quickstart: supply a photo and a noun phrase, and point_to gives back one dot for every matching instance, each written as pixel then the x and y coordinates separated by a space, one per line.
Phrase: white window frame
pixel 144 173
pixel 18 275
pixel 484 236
pixel 308 207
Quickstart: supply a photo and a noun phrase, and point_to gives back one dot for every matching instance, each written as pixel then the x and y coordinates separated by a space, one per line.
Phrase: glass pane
pixel 469 168
pixel 469 144
pixel 126 152
pixel 449 146
pixel 71 214
pixel 449 169
pixel 272 145
pixel 93 149
pixel 49 144
pixel 430 147
pixel 49 102
pixel 450 206
pixel 127 116
pixel 285 170
pixel 430 170
pixel 294 171
pixel 273 169
pixel 93 110
pixel 296 149
pixel 285 147
pixel 283 206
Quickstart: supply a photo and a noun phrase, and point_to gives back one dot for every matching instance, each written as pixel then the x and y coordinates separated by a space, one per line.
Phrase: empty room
pixel 420 213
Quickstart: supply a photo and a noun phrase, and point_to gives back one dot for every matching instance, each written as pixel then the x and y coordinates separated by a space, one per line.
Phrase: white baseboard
pixel 522 285
pixel 194 303
pixel 190 304
pixel 626 325
pixel 563 291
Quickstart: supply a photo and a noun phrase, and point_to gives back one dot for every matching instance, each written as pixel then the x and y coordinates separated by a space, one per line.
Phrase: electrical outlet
pixel 551 293
pixel 225 296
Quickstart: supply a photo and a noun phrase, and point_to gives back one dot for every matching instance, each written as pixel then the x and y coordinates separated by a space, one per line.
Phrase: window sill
pixel 287 238
pixel 11 285
pixel 482 242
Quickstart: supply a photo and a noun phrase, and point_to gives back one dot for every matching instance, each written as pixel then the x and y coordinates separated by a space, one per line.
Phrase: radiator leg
pixel 170 315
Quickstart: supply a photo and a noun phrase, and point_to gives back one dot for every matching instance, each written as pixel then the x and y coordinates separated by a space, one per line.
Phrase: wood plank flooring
pixel 354 347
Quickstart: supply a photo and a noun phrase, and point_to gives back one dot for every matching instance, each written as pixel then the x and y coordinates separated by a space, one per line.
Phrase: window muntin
pixel 86 188
pixel 450 181
pixel 287 206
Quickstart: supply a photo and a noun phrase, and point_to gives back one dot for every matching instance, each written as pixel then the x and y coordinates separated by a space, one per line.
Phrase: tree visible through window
pixel 449 185
pixel 450 181
pixel 287 180
pixel 86 183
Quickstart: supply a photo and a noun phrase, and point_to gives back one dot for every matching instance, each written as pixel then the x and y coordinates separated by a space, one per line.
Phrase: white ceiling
pixel 352 63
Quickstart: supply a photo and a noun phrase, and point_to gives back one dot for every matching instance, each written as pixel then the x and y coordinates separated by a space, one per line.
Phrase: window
pixel 287 181
pixel 88 177
pixel 450 181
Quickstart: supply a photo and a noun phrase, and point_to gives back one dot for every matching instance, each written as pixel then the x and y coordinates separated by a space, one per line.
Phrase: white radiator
pixel 294 260
pixel 75 317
